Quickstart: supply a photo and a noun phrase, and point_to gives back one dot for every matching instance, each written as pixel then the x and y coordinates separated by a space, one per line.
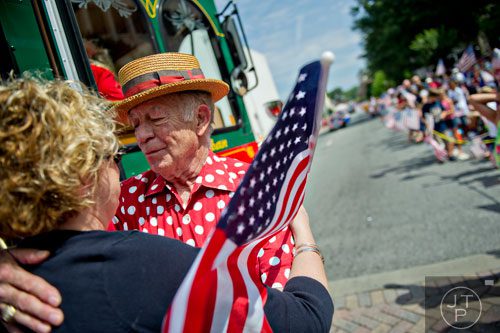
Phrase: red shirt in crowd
pixel 150 204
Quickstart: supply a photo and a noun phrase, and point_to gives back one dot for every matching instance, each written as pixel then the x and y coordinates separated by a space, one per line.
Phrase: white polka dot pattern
pixel 198 206
pixel 199 229
pixel 149 204
pixel 210 217
pixel 274 261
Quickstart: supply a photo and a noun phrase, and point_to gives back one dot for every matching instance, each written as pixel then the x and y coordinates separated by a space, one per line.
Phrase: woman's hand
pixel 35 301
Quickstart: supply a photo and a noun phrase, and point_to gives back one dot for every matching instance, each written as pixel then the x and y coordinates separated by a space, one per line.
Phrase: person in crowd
pixel 169 104
pixel 59 189
pixel 440 115
pixel 461 110
pixel 104 77
pixel 488 105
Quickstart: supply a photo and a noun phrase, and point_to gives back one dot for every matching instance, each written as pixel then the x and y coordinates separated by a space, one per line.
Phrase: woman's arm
pixel 479 101
pixel 307 263
pixel 305 304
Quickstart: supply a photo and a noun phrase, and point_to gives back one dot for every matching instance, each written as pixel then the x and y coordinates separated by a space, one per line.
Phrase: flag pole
pixel 327 59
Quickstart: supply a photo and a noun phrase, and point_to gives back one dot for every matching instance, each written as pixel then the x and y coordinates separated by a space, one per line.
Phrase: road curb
pixel 470 265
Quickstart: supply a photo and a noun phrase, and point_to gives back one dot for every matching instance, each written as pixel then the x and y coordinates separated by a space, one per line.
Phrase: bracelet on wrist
pixel 314 249
pixel 298 246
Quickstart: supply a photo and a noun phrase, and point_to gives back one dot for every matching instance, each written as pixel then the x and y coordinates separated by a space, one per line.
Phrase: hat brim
pixel 218 89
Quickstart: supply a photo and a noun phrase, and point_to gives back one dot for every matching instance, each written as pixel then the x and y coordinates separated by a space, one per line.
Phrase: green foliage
pixel 425 44
pixel 379 84
pixel 402 36
pixel 339 95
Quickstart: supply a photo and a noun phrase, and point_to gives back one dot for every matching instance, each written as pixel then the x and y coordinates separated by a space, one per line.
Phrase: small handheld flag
pixel 222 291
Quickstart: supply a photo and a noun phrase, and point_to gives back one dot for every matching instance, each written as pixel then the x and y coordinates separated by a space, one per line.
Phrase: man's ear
pixel 203 118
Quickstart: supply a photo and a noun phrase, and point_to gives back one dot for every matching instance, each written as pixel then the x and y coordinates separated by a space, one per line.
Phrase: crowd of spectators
pixel 455 112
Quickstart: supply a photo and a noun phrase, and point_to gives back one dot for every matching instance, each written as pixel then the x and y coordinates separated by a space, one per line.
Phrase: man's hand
pixel 35 300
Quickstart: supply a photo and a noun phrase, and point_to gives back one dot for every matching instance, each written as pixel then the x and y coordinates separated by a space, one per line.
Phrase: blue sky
pixel 292 33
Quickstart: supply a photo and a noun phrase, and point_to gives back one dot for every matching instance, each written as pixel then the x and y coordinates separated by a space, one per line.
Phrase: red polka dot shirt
pixel 150 204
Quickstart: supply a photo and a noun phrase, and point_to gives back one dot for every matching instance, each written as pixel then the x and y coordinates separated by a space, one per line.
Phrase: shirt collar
pixel 213 174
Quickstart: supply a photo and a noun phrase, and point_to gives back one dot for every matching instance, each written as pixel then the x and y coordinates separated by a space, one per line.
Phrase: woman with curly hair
pixel 59 189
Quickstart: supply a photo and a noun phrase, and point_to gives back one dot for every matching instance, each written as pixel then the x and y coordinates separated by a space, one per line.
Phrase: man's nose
pixel 143 133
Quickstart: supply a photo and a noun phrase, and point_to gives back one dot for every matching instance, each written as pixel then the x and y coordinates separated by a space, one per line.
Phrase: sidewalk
pixel 394 301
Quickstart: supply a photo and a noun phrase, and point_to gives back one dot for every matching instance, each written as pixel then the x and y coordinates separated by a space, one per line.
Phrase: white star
pixel 260 194
pixel 304 127
pixel 289 143
pixel 251 202
pixel 264 157
pixel 282 146
pixel 241 209
pixel 297 140
pixel 302 112
pixel 268 187
pixel 278 164
pixel 287 129
pixel 268 205
pixel 278 134
pixel 285 114
pixel 242 190
pixel 302 77
pixel 274 197
pixel 292 112
pixel 252 220
pixel 273 151
pixel 275 181
pixel 261 178
pixel 269 170
pixel 295 126
pixel 252 182
pixel 261 212
pixel 300 95
pixel 241 228
pixel 282 176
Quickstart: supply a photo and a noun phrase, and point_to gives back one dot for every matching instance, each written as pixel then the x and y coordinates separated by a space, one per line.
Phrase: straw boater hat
pixel 160 74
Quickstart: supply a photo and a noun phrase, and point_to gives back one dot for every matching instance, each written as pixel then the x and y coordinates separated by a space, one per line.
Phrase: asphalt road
pixel 378 203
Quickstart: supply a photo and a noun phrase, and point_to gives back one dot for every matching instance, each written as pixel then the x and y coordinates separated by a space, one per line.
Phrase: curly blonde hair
pixel 54 139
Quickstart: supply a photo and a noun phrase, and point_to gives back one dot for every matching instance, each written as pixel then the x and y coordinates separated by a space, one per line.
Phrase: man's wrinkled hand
pixel 36 302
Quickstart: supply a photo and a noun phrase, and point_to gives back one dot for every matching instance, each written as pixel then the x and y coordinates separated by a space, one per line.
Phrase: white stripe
pixel 224 297
pixel 301 156
pixel 255 318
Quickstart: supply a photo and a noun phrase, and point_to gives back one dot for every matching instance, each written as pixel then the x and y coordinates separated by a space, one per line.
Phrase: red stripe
pixel 202 299
pixel 159 82
pixel 296 199
pixel 239 310
pixel 296 172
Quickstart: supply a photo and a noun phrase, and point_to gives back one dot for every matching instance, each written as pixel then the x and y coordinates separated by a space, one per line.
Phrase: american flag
pixel 222 291
pixel 467 60
pixel 438 148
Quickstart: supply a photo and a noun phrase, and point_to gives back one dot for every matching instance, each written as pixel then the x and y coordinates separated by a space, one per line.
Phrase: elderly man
pixel 188 186
pixel 170 104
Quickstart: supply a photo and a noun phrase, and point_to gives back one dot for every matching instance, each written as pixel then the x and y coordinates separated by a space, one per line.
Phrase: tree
pixel 380 83
pixel 400 36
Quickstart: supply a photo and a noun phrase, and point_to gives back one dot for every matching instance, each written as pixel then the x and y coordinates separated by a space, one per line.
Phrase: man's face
pixel 166 139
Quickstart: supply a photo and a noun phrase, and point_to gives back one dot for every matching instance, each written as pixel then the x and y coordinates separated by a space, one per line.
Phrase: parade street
pixel 378 203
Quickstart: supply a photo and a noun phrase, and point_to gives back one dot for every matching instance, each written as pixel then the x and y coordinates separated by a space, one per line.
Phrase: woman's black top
pixel 125 281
